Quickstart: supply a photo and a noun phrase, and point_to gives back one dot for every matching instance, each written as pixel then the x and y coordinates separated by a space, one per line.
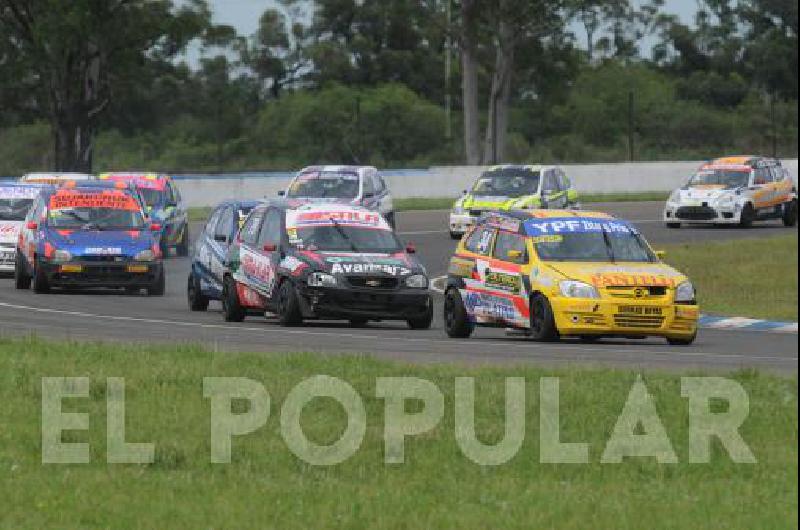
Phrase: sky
pixel 244 14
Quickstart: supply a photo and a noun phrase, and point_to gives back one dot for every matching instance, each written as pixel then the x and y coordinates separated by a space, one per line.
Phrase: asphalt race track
pixel 111 316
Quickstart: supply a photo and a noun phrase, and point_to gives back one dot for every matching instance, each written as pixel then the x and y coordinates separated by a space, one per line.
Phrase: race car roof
pixel 358 170
pixel 54 177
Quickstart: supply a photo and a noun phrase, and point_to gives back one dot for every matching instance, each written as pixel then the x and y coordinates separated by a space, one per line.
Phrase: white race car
pixel 735 190
pixel 15 201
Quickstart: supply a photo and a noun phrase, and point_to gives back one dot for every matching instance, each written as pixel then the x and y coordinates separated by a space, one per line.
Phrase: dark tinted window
pixel 225 225
pixel 480 241
pixel 251 227
pixel 271 230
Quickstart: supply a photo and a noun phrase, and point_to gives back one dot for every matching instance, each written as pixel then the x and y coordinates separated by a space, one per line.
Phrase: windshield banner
pixel 341 217
pixel 573 225
pixel 19 192
pixel 110 200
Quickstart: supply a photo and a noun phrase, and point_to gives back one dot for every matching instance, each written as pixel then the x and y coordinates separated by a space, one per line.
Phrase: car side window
pixel 369 186
pixel 507 242
pixel 211 225
pixel 480 241
pixel 777 173
pixel 225 225
pixel 549 185
pixel 271 230
pixel 762 176
pixel 564 181
pixel 380 184
pixel 252 227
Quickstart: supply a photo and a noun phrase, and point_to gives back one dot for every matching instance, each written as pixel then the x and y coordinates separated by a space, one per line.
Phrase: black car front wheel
pixel 231 307
pixel 40 283
pixel 197 300
pixel 22 280
pixel 543 324
pixel 288 307
pixel 456 321
pixel 423 321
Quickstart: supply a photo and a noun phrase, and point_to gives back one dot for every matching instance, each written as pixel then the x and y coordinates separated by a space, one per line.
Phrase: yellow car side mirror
pixel 661 254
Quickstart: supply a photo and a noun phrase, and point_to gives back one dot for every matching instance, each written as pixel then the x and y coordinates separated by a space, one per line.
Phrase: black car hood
pixel 354 264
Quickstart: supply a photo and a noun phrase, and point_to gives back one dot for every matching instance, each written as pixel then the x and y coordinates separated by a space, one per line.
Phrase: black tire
pixel 288 307
pixel 160 286
pixel 673 225
pixel 40 283
pixel 358 322
pixel 456 321
pixel 232 310
pixel 392 220
pixel 194 294
pixel 682 342
pixel 22 280
pixel 424 321
pixel 748 216
pixel 182 249
pixel 543 324
pixel 456 237
pixel 789 217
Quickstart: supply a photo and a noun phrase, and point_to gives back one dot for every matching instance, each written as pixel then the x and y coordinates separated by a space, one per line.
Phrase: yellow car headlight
pixel 574 289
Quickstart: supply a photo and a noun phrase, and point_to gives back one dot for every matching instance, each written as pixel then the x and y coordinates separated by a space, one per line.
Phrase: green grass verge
pixel 746 277
pixel 445 203
pixel 437 487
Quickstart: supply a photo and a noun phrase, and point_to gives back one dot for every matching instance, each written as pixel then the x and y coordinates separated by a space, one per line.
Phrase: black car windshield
pixel 12 209
pixel 325 185
pixel 344 238
pixel 507 182
pixel 594 247
pixel 721 177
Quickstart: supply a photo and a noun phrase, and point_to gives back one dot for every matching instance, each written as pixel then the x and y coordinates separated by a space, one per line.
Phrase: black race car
pixel 323 262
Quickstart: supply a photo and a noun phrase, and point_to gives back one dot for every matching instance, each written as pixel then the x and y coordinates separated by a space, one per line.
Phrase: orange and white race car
pixel 735 190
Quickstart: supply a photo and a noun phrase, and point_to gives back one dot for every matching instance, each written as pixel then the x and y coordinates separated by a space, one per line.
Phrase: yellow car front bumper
pixel 624 318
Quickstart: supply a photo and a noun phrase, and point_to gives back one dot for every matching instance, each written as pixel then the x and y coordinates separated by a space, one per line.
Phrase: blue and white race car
pixel 208 264
pixel 15 202
pixel 86 235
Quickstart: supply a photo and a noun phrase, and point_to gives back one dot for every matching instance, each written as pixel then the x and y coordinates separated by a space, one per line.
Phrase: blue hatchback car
pixel 208 264
pixel 86 235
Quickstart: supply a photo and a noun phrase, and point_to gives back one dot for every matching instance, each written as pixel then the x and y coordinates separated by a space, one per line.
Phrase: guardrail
pixel 449 181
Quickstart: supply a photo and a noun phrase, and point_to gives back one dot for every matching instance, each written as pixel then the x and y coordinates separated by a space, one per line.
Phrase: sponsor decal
pixel 484 305
pixel 631 280
pixel 103 251
pixel 293 265
pixel 641 310
pixel 66 200
pixel 248 297
pixel 687 312
pixel 369 268
pixel 19 192
pixel 505 282
pixel 9 228
pixel 503 223
pixel 544 227
pixel 258 267
pixel 461 267
pixel 327 218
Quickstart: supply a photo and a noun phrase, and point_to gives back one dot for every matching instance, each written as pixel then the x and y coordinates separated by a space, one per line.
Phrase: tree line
pixel 105 84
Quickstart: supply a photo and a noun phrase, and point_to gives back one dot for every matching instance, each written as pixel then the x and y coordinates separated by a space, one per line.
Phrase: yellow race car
pixel 509 187
pixel 554 273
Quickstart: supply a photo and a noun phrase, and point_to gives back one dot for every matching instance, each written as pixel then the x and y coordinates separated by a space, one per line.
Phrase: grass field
pixel 437 487
pixel 445 203
pixel 746 277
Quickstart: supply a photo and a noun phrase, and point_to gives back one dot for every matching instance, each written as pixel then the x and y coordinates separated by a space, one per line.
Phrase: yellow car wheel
pixel 543 324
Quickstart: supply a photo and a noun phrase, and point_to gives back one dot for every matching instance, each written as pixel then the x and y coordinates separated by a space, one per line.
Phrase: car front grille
pixel 696 213
pixel 373 282
pixel 638 321
pixel 637 293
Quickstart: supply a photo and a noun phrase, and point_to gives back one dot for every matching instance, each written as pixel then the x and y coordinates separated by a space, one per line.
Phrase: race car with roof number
pixel 509 187
pixel 324 262
pixel 89 236
pixel 15 202
pixel 564 273
pixel 734 190
pixel 211 249
pixel 164 205
pixel 348 185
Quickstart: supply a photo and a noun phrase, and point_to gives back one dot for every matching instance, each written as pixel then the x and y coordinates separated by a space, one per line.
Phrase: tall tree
pixel 75 50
